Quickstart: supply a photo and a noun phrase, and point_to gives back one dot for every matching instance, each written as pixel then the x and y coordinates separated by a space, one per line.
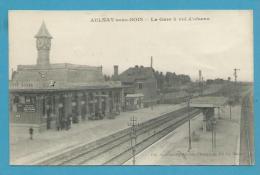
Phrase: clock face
pixel 47 43
pixel 40 43
pixel 43 43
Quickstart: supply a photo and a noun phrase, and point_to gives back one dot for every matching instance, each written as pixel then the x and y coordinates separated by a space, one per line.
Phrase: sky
pixel 181 44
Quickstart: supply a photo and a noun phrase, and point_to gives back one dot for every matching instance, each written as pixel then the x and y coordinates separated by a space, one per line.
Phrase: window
pixel 43 106
pixel 21 99
pixel 140 85
pixel 30 100
pixel 16 99
pixel 20 107
pixel 27 99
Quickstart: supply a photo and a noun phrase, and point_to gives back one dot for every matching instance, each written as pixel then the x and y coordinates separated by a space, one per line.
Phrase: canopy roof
pixel 208 101
pixel 134 95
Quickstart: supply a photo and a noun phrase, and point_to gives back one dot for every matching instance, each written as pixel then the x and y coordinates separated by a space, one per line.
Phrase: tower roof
pixel 43 32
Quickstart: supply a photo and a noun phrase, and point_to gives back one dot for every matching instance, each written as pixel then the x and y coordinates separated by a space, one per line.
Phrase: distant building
pixel 47 96
pixel 140 86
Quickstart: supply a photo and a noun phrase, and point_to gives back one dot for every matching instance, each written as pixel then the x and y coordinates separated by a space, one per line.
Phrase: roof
pixel 16 86
pixel 58 72
pixel 57 66
pixel 137 73
pixel 134 95
pixel 64 75
pixel 43 32
pixel 208 101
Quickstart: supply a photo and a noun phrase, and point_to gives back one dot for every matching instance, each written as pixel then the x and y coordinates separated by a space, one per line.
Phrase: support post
pixel 57 106
pixel 94 106
pixel 230 112
pixel 113 103
pixel 87 105
pixel 218 112
pixel 99 99
pixel 79 96
pixel 107 104
pixel 204 124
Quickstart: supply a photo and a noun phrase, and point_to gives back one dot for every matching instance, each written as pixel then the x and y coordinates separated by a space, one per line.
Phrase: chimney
pixel 200 75
pixel 151 61
pixel 115 70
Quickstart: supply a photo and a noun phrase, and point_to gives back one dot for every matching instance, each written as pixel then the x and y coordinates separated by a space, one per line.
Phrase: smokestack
pixel 200 76
pixel 115 70
pixel 151 61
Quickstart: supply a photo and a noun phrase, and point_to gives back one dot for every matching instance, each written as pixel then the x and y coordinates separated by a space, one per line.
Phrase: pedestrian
pixel 63 123
pixel 70 119
pixel 31 133
pixel 58 124
pixel 69 122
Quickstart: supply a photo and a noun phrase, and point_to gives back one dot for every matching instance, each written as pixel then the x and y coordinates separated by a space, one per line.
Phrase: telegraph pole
pixel 235 74
pixel 214 134
pixel 236 85
pixel 200 83
pixel 189 123
pixel 151 63
pixel 133 123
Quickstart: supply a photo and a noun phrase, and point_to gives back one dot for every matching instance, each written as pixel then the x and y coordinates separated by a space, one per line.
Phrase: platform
pixel 51 142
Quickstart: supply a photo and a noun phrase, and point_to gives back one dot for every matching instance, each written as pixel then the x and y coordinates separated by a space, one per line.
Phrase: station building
pixel 45 95
pixel 140 86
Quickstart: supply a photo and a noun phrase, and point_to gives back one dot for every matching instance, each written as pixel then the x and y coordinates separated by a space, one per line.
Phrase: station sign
pixel 29 108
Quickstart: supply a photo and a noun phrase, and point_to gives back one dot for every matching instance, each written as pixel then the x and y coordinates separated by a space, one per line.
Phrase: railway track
pixel 116 148
pixel 127 154
pixel 246 132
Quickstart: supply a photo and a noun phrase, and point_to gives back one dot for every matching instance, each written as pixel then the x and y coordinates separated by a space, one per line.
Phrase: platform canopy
pixel 208 102
pixel 134 95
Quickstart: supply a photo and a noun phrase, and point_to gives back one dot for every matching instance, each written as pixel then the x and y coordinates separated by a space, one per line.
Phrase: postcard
pixel 124 87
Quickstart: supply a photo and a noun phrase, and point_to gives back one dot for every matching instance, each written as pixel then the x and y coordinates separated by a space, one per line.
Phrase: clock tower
pixel 43 45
